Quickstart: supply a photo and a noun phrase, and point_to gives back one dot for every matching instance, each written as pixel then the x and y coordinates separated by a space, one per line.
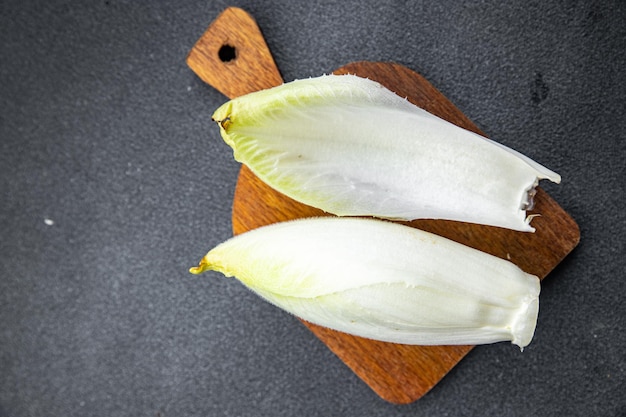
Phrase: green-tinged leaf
pixel 383 281
pixel 349 146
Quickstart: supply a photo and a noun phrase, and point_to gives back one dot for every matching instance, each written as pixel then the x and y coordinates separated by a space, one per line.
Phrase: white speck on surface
pixel 48 222
pixel 188 88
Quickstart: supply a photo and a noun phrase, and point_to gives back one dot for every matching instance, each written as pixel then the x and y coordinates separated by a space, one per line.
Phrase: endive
pixel 349 146
pixel 383 281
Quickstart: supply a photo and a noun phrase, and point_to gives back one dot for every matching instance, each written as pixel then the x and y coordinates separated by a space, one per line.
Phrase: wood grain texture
pixel 397 373
pixel 253 66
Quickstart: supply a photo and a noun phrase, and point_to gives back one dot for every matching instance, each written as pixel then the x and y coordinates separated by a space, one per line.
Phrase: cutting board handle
pixel 233 57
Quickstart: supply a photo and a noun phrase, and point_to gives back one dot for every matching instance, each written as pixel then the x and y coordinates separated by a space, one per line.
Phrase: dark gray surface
pixel 114 181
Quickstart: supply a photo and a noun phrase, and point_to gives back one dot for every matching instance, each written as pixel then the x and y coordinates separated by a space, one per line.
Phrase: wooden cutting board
pixel 233 57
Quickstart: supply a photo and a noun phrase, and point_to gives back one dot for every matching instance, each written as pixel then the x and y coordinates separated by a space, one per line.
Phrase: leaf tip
pixel 222 116
pixel 202 267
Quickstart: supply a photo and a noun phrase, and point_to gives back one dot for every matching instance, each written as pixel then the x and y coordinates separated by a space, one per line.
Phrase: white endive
pixel 383 281
pixel 349 146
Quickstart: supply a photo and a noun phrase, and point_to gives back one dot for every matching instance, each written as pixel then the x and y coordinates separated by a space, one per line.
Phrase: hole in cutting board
pixel 227 53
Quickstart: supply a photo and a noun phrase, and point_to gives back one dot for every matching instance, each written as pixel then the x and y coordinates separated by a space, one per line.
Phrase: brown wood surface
pixel 252 69
pixel 397 373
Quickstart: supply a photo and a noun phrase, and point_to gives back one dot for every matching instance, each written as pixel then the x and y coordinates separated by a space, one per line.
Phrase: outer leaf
pixel 383 281
pixel 349 146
